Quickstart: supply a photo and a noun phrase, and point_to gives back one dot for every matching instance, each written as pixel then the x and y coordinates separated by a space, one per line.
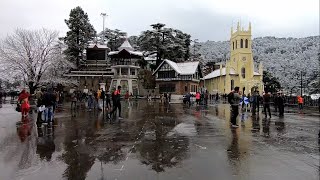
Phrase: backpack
pixel 230 98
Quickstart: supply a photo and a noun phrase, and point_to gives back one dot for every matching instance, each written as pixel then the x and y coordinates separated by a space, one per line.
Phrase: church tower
pixel 241 59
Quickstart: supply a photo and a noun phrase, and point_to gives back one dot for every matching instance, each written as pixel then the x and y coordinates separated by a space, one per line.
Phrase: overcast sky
pixel 203 19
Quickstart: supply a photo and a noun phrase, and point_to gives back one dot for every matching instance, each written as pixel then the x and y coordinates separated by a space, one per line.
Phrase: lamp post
pixel 301 83
pixel 103 31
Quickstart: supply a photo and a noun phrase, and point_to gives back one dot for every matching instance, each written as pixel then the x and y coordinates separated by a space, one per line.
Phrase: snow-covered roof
pixel 100 46
pixel 150 58
pixel 188 67
pixel 126 45
pixel 216 73
pixel 256 74
pixel 138 53
pixel 185 68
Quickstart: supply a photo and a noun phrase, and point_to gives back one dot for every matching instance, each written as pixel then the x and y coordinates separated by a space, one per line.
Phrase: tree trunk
pixel 32 87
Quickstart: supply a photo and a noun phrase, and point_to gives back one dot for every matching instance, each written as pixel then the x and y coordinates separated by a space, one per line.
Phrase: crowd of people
pixel 99 99
pixel 236 98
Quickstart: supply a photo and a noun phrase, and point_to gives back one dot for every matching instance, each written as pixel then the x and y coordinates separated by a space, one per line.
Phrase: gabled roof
pixel 185 68
pixel 137 53
pixel 126 45
pixel 99 46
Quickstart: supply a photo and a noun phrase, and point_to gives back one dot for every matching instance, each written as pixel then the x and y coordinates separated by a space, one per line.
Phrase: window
pixel 133 72
pixel 124 71
pixel 232 45
pixel 236 44
pixel 243 73
pixel 166 74
pixel 241 43
pixel 246 43
pixel 167 88
pixel 232 84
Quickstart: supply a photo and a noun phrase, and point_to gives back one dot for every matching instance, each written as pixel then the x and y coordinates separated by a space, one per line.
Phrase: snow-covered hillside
pixel 285 58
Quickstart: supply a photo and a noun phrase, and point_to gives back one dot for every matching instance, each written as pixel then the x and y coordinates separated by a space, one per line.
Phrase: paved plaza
pixel 156 141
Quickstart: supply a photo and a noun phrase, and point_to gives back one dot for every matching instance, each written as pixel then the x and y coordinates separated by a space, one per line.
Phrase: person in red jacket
pixel 24 101
pixel 198 96
pixel 116 103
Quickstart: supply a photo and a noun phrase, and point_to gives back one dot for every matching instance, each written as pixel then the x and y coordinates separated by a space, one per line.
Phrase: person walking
pixel 234 100
pixel 116 103
pixel 266 104
pixel 23 99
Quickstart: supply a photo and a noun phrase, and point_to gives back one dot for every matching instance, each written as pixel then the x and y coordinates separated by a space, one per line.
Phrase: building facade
pixel 239 70
pixel 124 64
pixel 178 78
pixel 94 72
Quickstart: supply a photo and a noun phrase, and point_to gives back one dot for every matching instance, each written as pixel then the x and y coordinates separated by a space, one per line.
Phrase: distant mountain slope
pixel 285 58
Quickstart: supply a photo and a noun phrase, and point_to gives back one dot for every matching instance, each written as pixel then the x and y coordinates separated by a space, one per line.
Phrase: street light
pixel 103 31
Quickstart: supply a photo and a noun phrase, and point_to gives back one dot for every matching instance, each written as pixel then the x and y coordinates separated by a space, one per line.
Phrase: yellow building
pixel 239 70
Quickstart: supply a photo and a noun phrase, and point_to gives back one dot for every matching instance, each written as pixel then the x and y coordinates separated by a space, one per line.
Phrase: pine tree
pixel 80 33
pixel 168 43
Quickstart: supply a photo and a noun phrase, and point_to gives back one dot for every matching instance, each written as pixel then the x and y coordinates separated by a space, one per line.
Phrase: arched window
pixel 243 73
pixel 236 44
pixel 232 45
pixel 232 84
pixel 246 43
pixel 241 43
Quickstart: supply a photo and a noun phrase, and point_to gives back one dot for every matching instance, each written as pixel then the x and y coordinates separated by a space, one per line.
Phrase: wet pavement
pixel 156 141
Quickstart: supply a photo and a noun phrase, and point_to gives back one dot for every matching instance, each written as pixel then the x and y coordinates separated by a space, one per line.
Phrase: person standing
pixel 74 100
pixel 266 104
pixel 116 102
pixel 300 102
pixel 90 100
pixel 49 100
pixel 206 97
pixel 188 101
pixel 99 93
pixel 275 102
pixel 165 98
pixel 127 98
pixel 108 100
pixel 217 97
pixel 280 102
pixel 234 100
pixel 198 96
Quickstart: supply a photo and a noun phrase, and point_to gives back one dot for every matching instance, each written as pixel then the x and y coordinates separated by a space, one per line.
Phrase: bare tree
pixel 33 55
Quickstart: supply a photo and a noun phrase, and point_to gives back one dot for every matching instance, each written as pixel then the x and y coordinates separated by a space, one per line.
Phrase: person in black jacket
pixel 116 102
pixel 49 100
pixel 280 104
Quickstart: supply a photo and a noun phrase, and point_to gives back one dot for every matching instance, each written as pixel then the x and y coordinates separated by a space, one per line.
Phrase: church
pixel 239 70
